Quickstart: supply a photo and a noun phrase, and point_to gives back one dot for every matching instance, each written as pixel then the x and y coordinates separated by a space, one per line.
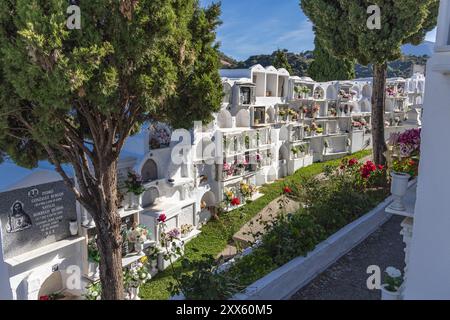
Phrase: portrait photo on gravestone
pixel 36 216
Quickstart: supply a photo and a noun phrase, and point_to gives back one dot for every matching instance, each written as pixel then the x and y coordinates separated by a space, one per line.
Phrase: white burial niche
pixel 40 246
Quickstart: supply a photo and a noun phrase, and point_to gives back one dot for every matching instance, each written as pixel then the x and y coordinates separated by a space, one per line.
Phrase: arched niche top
pixel 332 93
pixel 243 119
pixel 224 119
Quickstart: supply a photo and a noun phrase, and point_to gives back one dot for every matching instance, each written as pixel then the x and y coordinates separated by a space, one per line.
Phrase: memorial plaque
pixel 36 216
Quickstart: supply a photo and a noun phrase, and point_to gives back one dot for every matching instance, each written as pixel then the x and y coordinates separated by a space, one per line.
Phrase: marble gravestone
pixel 35 216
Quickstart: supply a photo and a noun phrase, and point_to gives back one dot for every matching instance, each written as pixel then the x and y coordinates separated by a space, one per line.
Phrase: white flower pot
pixel 93 269
pixel 139 247
pixel 399 187
pixel 73 227
pixel 134 201
pixel 389 295
pixel 132 294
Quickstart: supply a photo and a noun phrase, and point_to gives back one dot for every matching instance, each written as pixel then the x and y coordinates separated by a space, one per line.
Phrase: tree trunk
pixel 378 108
pixel 109 238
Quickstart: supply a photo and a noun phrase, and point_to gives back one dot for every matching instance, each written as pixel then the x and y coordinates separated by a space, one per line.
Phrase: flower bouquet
pixel 186 229
pixel 138 235
pixel 247 190
pixel 134 277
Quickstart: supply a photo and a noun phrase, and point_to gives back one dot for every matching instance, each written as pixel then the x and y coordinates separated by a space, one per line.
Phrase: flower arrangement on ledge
pixel 247 190
pixel 344 95
pixel 315 111
pixel 138 234
pixel 134 184
pixel 136 275
pixel 186 229
pixel 404 151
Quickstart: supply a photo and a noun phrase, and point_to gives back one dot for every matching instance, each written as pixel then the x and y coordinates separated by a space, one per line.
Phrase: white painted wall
pixel 428 274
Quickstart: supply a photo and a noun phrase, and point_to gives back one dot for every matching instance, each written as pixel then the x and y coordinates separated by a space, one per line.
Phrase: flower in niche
pixel 235 201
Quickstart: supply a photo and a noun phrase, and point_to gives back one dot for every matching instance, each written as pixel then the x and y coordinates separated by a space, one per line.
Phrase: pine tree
pixel 75 96
pixel 342 27
pixel 281 60
pixel 326 67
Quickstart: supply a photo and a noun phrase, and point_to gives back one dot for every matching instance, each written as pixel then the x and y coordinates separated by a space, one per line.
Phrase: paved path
pixel 346 279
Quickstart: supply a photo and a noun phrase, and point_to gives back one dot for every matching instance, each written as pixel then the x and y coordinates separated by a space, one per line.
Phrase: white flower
pixel 393 272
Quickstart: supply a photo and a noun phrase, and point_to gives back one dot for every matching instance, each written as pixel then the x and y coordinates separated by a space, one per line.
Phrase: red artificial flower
pixel 287 190
pixel 352 162
pixel 162 218
pixel 367 169
pixel 44 298
pixel 235 201
pixel 380 167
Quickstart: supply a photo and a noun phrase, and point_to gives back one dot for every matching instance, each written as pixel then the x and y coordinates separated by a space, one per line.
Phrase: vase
pixel 73 227
pixel 139 247
pixel 93 269
pixel 389 295
pixel 399 187
pixel 132 294
pixel 134 201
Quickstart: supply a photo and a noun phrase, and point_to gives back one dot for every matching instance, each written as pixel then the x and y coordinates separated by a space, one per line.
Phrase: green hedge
pixel 217 234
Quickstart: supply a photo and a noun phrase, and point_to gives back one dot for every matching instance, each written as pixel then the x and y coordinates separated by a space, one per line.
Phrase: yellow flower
pixel 144 259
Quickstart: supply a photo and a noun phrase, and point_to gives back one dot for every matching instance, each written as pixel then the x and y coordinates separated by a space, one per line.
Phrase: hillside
pixel 300 62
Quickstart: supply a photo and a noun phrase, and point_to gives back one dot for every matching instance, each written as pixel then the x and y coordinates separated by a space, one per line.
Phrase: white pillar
pixel 428 273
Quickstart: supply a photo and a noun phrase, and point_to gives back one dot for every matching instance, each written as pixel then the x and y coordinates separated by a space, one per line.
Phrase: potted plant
pixel 93 258
pixel 295 151
pixel 403 159
pixel 135 189
pixel 138 235
pixel 134 277
pixel 393 280
pixel 305 91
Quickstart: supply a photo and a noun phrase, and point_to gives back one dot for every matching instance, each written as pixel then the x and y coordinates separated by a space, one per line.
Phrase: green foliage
pixel 326 67
pixel 341 26
pixel 204 283
pixel 298 61
pixel 281 60
pixel 301 65
pixel 292 236
pixel 162 61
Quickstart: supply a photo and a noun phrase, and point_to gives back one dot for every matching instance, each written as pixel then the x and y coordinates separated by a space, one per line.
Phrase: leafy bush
pixel 204 283
pixel 292 236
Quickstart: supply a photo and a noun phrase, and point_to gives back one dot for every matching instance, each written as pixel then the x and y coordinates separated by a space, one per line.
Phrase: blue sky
pixel 253 27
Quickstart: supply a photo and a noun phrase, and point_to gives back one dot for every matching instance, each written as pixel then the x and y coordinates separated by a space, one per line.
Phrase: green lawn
pixel 216 234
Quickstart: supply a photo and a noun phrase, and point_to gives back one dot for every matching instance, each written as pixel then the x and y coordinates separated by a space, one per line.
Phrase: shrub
pixel 292 236
pixel 204 283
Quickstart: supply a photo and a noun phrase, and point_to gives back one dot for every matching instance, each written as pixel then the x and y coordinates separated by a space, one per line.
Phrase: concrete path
pixel 346 279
